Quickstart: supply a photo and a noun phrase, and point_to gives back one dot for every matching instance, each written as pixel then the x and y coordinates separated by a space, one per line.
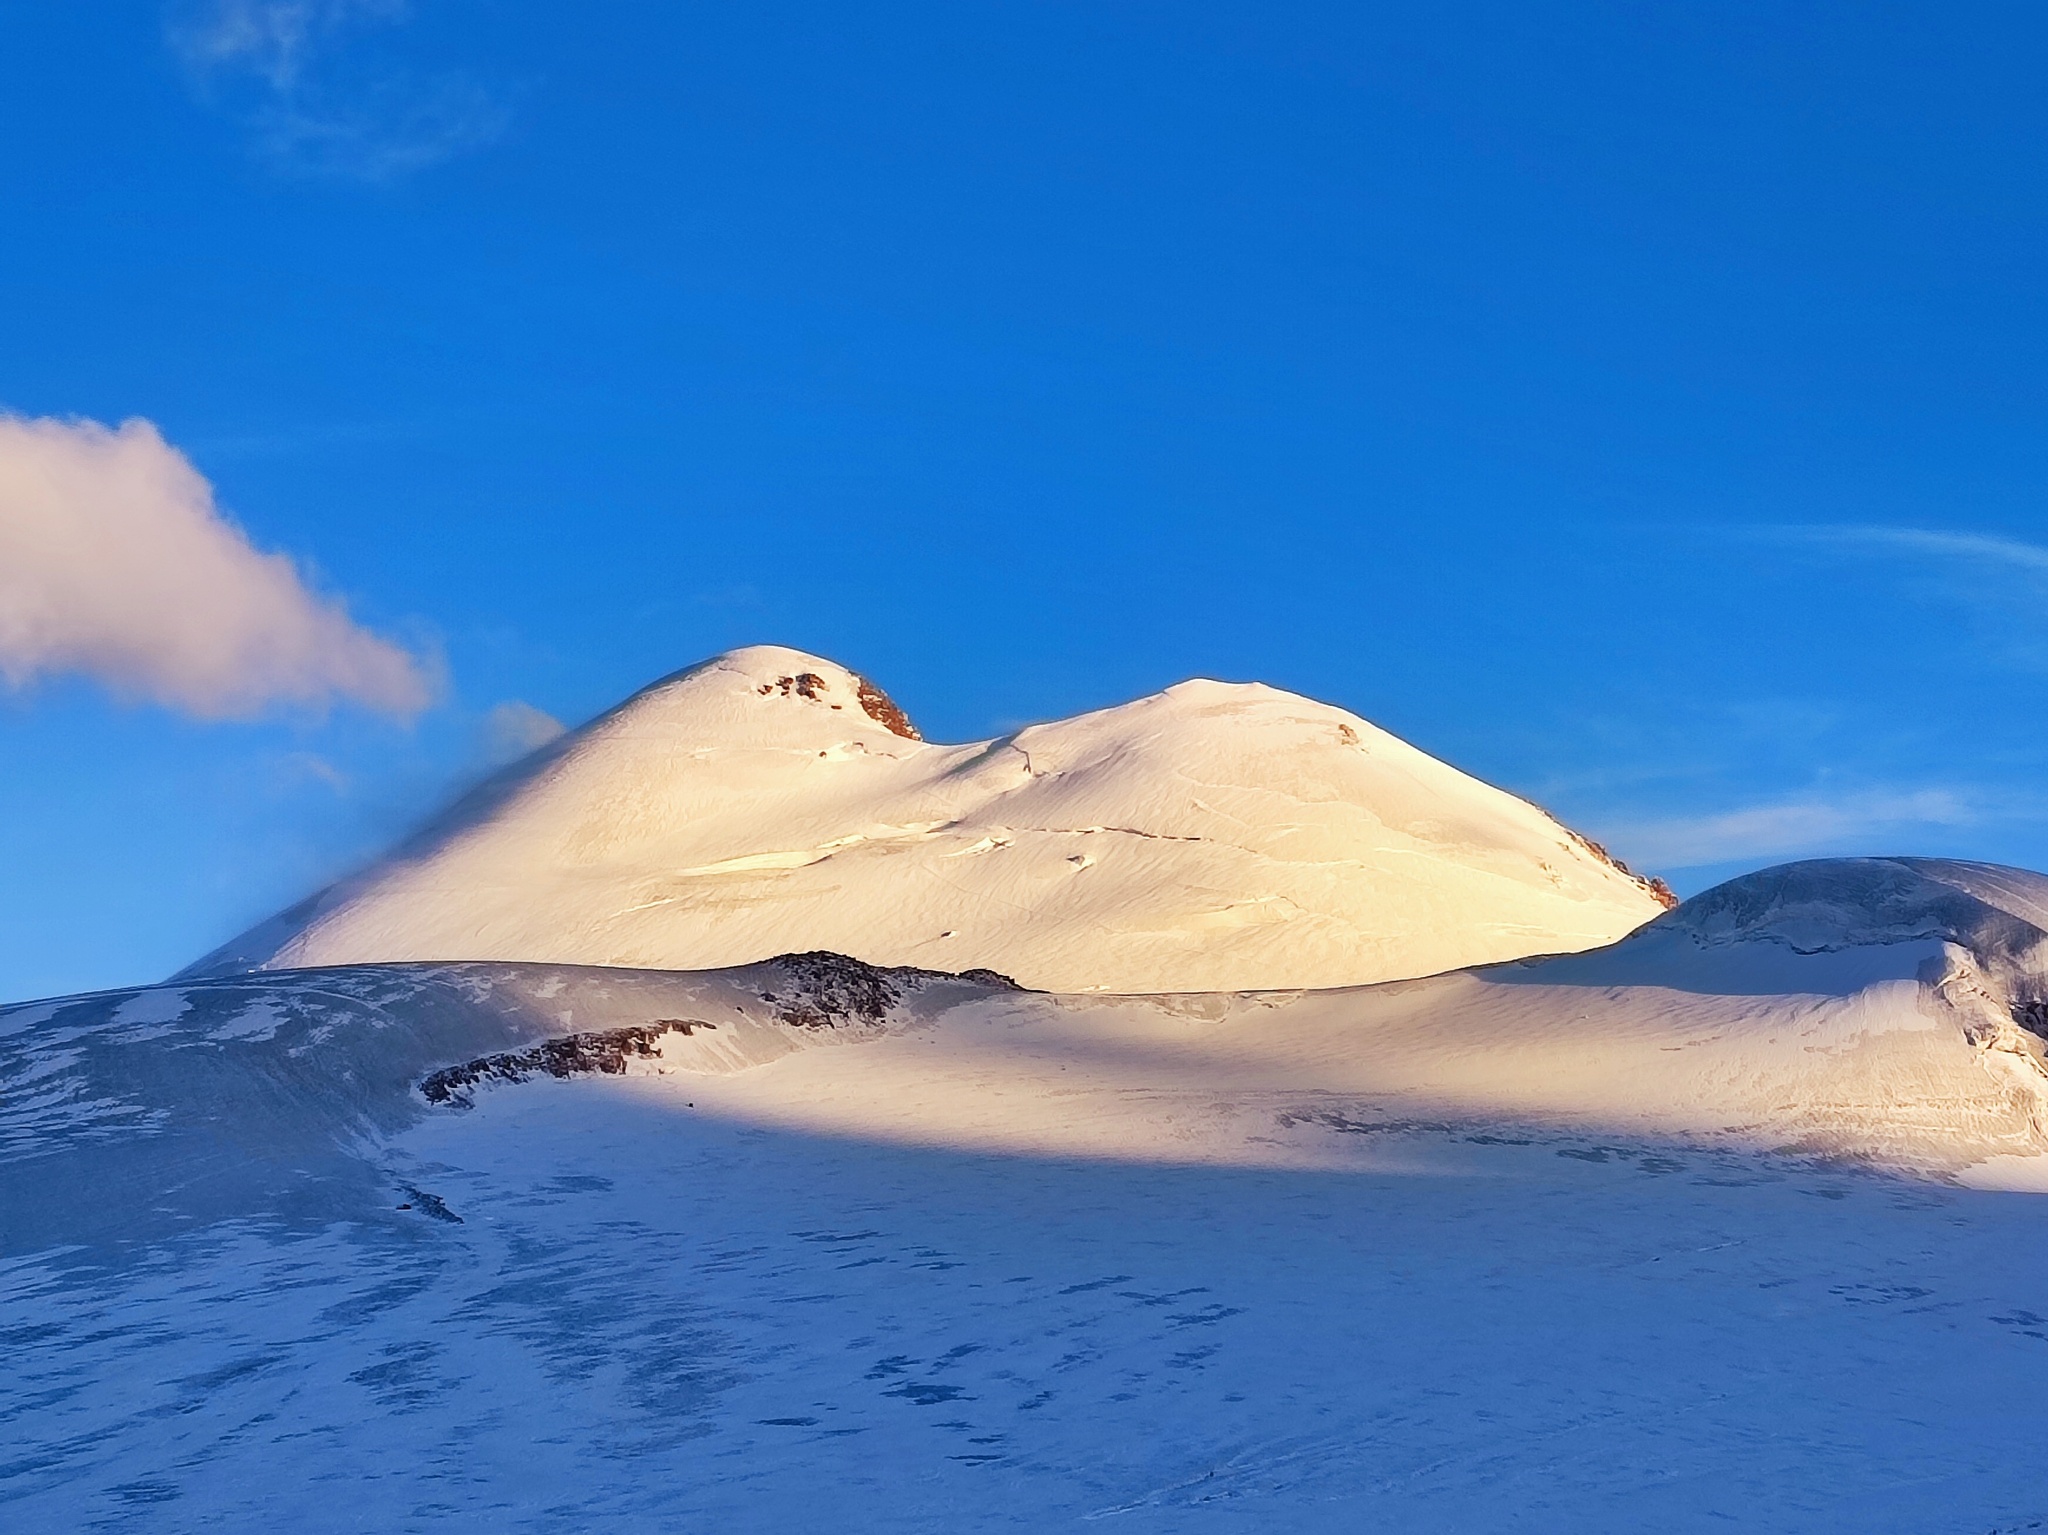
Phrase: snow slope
pixel 1211 837
pixel 1886 1010
pixel 1880 1010
pixel 1558 1245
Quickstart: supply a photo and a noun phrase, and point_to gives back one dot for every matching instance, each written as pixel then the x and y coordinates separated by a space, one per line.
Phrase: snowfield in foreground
pixel 1213 837
pixel 1700 1231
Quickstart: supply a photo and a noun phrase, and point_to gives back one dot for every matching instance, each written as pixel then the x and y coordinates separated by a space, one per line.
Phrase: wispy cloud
pixel 2009 554
pixel 302 767
pixel 292 69
pixel 515 728
pixel 115 563
pixel 1802 826
pixel 273 39
pixel 1994 588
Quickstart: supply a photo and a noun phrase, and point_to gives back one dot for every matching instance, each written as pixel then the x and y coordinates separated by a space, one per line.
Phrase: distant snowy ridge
pixel 1887 1011
pixel 1825 904
pixel 1214 837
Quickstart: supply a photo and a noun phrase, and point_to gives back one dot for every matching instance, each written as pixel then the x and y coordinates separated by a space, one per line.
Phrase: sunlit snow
pixel 1212 837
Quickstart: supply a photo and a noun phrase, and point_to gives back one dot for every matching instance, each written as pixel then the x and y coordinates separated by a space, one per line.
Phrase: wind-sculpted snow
pixel 1211 837
pixel 1990 921
pixel 1999 914
pixel 130 1115
pixel 1589 1242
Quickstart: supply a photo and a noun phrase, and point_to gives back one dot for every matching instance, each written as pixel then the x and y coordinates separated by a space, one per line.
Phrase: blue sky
pixel 1640 407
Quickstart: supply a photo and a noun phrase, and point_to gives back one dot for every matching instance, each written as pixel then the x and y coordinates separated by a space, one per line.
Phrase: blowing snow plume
pixel 115 563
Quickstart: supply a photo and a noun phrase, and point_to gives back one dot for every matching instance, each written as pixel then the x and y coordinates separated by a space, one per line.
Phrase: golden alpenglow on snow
pixel 1213 837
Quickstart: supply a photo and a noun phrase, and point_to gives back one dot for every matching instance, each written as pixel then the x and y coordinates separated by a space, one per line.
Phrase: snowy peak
pixel 1215 836
pixel 767 694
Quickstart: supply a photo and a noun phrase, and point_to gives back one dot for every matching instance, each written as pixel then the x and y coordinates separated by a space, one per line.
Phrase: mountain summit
pixel 1216 836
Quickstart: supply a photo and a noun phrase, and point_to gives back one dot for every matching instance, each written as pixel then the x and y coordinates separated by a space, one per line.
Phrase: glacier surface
pixel 1686 1233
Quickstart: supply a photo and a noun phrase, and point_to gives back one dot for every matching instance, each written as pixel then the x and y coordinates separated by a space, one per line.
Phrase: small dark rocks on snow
pixel 803 685
pixel 1662 893
pixel 878 706
pixel 2031 1014
pixel 430 1205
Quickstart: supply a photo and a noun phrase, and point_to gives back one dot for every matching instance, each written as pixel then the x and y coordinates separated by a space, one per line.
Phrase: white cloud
pixel 115 563
pixel 1791 828
pixel 314 113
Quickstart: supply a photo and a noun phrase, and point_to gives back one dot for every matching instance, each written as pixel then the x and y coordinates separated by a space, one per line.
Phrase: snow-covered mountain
pixel 1557 1244
pixel 1211 837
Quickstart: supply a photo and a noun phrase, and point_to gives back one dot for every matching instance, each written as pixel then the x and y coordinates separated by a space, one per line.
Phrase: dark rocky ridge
pixel 600 1052
pixel 1664 894
pixel 883 710
pixel 828 990
pixel 814 990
